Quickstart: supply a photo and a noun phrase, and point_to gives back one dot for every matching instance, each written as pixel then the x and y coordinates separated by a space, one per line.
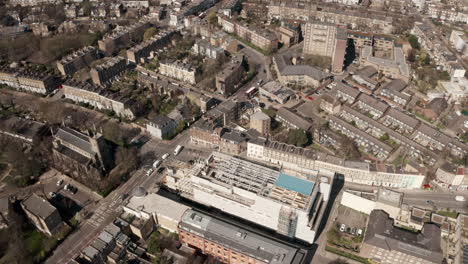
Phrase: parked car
pixel 157 163
pixel 59 182
pixel 165 156
pixel 161 169
pixel 149 171
pixel 353 231
pixel 342 227
pixel 52 194
pixel 359 232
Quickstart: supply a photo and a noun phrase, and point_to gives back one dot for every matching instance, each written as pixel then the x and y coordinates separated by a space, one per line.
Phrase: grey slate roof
pixel 294 118
pixel 372 102
pixel 240 239
pixel 348 90
pixel 425 245
pixel 39 206
pixel 75 138
pixel 402 117
pixel 395 85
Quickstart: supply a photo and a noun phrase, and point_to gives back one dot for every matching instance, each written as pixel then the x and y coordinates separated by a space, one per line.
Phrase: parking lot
pixel 351 218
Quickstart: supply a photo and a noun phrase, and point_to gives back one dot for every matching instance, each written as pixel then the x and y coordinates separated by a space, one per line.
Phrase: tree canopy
pixel 149 33
pixel 297 137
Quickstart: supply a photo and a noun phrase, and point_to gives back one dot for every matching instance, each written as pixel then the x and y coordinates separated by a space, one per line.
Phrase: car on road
pixel 59 182
pixel 157 163
pixel 342 227
pixel 310 98
pixel 178 149
pixel 165 156
pixel 149 171
pixel 460 198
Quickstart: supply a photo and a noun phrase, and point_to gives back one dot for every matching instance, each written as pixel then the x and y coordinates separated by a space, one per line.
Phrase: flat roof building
pixel 230 243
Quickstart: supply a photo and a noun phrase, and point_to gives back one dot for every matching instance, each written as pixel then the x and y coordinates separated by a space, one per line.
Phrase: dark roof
pixel 38 206
pixel 161 121
pixel 372 102
pixel 367 71
pixel 294 118
pixel 75 138
pixel 402 117
pixel 353 92
pixel 396 85
pixel 425 245
pixel 438 105
pixel 233 136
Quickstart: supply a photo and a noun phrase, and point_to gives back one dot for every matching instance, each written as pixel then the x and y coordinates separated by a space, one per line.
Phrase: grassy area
pixel 448 214
pixel 347 255
pixel 39 245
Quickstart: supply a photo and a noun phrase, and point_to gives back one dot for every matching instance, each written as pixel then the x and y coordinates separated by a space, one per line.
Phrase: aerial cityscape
pixel 234 132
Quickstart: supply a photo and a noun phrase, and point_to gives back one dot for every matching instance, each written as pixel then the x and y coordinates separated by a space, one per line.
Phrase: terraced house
pixel 99 98
pixel 367 142
pixel 346 93
pixel 372 106
pixel 34 82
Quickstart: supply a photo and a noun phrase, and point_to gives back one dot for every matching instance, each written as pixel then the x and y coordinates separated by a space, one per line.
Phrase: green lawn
pixel 448 214
pixel 347 255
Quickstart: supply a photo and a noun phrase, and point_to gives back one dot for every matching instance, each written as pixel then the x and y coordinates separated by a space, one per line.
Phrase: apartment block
pixel 289 34
pixel 228 80
pixel 371 105
pixel 161 127
pixel 385 243
pixel 77 61
pixel 204 48
pixel 346 93
pixel 99 98
pixel 459 41
pixel 177 15
pixel 259 37
pixel 360 39
pixel 327 40
pixel 393 66
pixel 260 122
pixel 123 36
pixel 104 73
pixel 42 214
pixel 229 243
pixel 304 12
pixel 289 72
pixel 180 71
pixel 300 159
pixel 143 50
pixel 369 143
